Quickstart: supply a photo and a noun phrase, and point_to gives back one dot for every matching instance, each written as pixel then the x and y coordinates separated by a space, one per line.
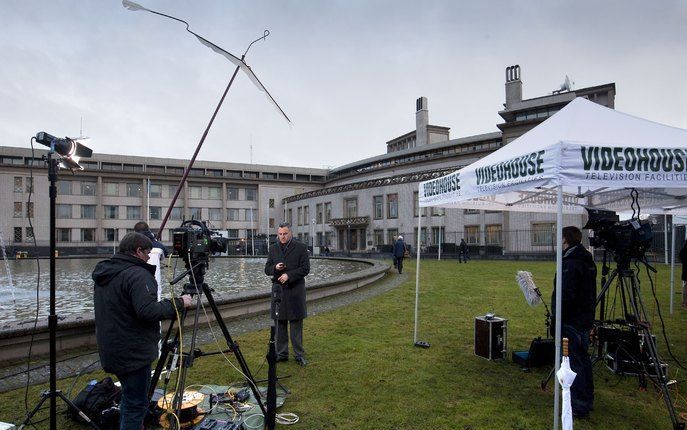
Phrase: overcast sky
pixel 346 72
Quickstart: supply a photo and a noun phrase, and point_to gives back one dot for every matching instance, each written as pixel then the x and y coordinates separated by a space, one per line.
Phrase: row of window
pixel 109 234
pixel 66 211
pixel 135 189
pixel 323 214
pixel 171 170
pixel 323 211
pixel 425 155
pixel 541 234
pixel 320 239
pixel 537 113
pixel 19 184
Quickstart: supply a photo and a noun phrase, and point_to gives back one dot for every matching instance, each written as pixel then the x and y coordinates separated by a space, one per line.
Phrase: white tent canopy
pixel 594 152
pixel 585 155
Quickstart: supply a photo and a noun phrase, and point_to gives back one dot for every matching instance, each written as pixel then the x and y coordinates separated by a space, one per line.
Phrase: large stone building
pixel 361 206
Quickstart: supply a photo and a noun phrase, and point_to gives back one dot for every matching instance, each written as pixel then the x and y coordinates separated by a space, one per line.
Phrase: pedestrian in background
pixel 463 256
pixel 399 252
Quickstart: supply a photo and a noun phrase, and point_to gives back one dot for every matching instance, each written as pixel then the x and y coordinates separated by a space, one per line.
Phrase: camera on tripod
pixel 625 240
pixel 194 241
pixel 626 344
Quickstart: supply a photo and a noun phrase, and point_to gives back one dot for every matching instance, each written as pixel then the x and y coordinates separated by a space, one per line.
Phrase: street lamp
pixel 312 235
pixel 348 223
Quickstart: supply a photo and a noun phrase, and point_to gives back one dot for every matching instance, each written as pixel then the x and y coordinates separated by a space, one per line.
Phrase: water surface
pixel 74 287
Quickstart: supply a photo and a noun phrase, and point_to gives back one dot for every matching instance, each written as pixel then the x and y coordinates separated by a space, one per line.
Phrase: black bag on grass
pixel 96 398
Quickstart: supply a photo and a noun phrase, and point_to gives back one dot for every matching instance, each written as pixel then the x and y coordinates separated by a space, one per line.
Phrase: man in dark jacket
pixel 143 228
pixel 463 252
pixel 399 252
pixel 577 308
pixel 127 315
pixel 288 264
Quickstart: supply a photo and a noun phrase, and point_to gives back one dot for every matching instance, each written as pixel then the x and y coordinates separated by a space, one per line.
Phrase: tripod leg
pixel 271 380
pixel 650 344
pixel 545 382
pixel 235 348
pixel 74 408
pixel 45 395
pixel 167 347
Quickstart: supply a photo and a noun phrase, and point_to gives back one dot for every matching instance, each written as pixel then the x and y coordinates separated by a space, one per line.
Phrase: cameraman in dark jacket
pixel 577 308
pixel 127 316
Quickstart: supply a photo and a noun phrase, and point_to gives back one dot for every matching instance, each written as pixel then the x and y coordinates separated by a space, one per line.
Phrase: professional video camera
pixel 625 240
pixel 194 241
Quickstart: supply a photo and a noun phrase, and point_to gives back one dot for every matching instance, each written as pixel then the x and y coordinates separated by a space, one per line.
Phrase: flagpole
pixel 148 204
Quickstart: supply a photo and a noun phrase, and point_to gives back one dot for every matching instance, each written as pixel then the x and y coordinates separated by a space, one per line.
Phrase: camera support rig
pixel 194 246
pixel 634 347
pixel 643 359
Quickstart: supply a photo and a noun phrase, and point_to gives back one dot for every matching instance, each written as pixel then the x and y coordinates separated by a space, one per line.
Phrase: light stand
pixel 272 360
pixel 53 392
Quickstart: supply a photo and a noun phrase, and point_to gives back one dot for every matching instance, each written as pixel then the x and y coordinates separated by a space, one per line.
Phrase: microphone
pixel 276 299
pixel 276 292
pixel 528 288
pixel 66 147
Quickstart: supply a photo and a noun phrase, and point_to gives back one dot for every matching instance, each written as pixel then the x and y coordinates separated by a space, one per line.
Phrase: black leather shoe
pixel 301 361
pixel 282 359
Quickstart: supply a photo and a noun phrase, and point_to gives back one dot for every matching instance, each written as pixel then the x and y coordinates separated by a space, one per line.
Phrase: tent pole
pixel 665 239
pixel 672 271
pixel 439 248
pixel 417 271
pixel 559 297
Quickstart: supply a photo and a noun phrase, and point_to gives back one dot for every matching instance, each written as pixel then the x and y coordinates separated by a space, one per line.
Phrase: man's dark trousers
pixel 582 390
pixel 132 409
pixel 295 330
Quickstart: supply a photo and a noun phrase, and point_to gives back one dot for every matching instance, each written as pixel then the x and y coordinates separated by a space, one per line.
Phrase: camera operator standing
pixel 577 308
pixel 288 264
pixel 127 315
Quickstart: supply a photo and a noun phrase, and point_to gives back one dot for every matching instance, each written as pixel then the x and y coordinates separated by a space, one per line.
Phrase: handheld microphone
pixel 276 292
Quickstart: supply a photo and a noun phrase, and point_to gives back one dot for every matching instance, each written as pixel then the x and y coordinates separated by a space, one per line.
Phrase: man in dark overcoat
pixel 288 264
pixel 399 252
pixel 577 307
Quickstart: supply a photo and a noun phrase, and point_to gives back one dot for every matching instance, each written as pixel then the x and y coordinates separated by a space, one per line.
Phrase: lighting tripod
pixel 53 393
pixel 648 363
pixel 168 362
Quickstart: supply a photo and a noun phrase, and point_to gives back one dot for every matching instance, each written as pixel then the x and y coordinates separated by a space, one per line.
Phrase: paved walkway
pixel 15 376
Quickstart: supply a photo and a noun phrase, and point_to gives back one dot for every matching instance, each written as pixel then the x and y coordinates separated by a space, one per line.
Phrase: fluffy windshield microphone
pixel 528 288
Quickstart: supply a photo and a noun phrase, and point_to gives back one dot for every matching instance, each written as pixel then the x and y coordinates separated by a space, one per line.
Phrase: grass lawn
pixel 364 372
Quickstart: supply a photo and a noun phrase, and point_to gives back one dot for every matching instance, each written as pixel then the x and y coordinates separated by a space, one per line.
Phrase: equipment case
pixel 491 337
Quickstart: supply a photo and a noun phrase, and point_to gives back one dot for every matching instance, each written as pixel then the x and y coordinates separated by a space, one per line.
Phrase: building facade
pixel 362 206
pixel 371 201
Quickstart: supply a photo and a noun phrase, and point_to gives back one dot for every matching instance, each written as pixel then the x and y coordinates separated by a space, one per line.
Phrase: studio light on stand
pixel 68 152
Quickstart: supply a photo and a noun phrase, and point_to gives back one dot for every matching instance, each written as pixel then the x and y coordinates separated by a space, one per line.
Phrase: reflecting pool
pixel 74 287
